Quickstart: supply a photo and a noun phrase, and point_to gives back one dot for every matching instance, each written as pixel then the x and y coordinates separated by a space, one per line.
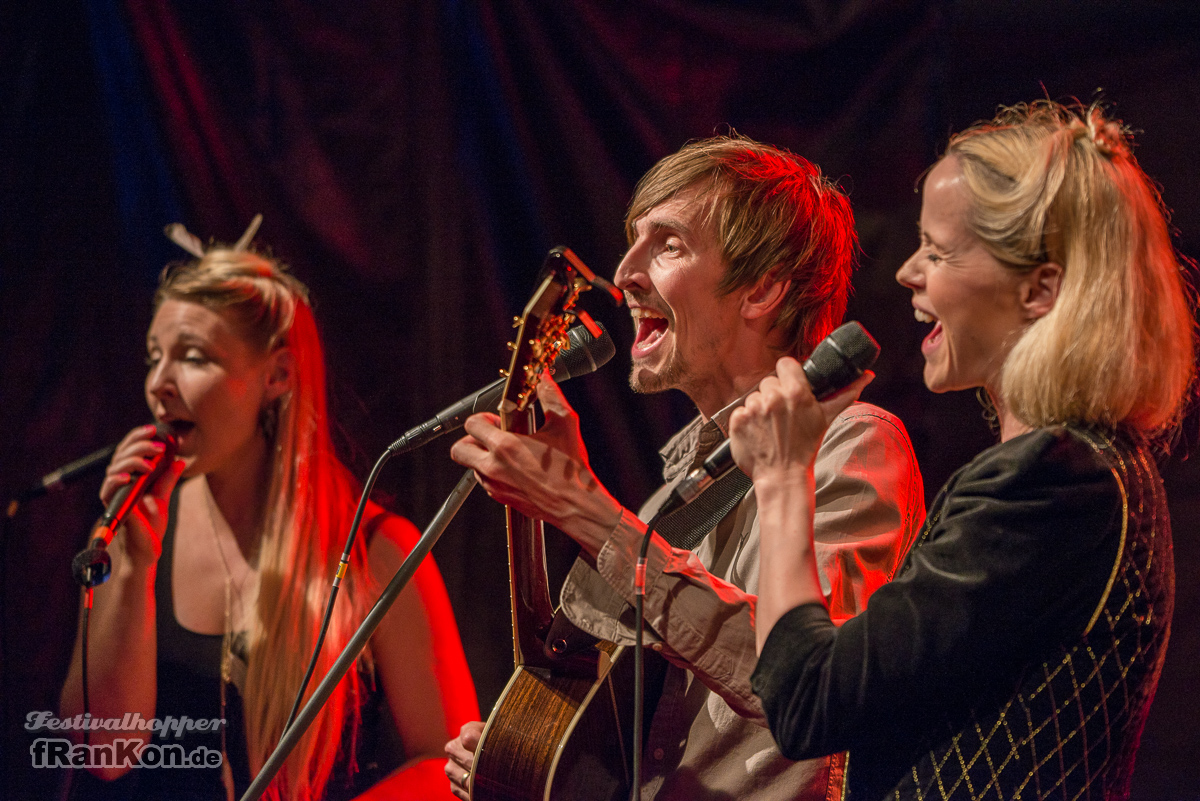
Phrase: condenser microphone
pixel 92 565
pixel 836 362
pixel 583 355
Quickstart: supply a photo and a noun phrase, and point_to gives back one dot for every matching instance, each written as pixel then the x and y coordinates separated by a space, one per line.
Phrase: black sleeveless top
pixel 189 684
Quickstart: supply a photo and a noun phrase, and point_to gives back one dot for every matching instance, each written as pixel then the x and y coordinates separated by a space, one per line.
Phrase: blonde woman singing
pixel 221 573
pixel 1017 652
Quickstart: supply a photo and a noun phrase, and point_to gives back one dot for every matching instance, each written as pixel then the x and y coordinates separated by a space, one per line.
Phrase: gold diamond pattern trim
pixel 1049 719
pixel 1107 451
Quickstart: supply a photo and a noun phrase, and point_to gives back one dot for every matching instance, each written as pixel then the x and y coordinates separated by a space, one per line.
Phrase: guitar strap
pixel 690 523
pixel 683 528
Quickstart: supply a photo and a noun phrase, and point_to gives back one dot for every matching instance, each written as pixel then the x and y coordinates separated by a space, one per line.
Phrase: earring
pixel 990 415
pixel 268 420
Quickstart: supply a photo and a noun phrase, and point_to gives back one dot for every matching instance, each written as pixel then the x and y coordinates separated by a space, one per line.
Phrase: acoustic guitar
pixel 558 731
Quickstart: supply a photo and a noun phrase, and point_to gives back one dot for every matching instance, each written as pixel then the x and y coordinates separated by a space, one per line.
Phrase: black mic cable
pixel 639 656
pixel 835 363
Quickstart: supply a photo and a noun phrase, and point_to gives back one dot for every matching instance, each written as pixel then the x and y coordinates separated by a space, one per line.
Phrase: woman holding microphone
pixel 221 573
pixel 1017 652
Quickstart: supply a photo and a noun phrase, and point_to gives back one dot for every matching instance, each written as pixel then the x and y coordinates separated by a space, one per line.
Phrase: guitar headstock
pixel 542 328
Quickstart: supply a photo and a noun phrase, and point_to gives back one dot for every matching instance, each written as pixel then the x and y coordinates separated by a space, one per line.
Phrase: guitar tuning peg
pixel 503 373
pixel 512 345
pixel 516 322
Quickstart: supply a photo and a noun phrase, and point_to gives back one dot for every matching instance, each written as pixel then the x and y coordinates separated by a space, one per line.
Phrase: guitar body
pixel 557 738
pixel 557 731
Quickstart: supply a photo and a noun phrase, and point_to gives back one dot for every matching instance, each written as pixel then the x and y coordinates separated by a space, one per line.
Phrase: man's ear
pixel 281 369
pixel 765 296
pixel 1039 290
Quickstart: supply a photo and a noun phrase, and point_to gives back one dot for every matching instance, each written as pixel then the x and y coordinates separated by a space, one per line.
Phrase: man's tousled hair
pixel 774 214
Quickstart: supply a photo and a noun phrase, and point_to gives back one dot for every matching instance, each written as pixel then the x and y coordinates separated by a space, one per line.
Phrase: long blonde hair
pixel 309 508
pixel 1050 183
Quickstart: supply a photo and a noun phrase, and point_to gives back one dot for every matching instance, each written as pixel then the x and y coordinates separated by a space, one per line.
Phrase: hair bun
pixel 1107 135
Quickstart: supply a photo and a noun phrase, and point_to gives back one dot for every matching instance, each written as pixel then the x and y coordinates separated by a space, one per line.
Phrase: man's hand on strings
pixel 546 475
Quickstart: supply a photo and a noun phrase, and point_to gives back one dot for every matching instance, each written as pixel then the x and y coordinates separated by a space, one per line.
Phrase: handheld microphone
pixel 92 565
pixel 583 355
pixel 840 358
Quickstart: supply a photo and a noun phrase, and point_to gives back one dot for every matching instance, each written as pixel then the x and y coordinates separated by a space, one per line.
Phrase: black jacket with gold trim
pixel 1016 654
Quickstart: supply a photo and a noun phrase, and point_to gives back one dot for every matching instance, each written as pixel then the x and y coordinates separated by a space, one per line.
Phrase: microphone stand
pixel 359 641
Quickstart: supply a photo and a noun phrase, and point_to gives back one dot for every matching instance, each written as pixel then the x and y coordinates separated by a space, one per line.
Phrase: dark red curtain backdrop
pixel 414 161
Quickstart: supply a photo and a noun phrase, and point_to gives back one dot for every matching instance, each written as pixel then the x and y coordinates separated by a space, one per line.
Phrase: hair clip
pixel 192 244
pixel 251 230
pixel 185 239
pixel 1106 136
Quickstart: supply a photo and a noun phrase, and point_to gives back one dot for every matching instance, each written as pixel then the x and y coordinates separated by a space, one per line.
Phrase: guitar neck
pixel 532 611
pixel 541 334
pixel 527 750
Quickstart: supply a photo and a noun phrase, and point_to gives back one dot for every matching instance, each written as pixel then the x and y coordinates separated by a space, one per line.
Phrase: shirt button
pixel 656 646
pixel 658 753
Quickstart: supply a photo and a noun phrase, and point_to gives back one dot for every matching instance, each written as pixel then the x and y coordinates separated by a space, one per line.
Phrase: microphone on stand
pixel 583 355
pixel 92 565
pixel 57 479
pixel 840 358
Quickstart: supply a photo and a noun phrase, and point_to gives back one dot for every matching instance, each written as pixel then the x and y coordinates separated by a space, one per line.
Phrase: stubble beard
pixel 645 382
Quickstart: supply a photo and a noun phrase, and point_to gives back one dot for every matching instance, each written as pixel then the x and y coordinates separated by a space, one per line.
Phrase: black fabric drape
pixel 415 161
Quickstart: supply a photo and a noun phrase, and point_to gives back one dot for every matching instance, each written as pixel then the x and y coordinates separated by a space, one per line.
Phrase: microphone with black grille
pixel 583 354
pixel 841 357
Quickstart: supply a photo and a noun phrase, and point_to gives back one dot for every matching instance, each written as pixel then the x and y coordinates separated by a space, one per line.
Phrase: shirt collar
pixel 695 441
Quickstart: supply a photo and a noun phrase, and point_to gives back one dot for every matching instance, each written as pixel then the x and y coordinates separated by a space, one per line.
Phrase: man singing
pixel 739 253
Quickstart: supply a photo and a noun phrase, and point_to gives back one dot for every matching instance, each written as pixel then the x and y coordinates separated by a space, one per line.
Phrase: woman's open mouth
pixel 934 337
pixel 180 428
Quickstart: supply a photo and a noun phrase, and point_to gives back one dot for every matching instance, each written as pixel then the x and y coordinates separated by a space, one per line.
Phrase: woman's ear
pixel 281 369
pixel 764 297
pixel 1039 289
